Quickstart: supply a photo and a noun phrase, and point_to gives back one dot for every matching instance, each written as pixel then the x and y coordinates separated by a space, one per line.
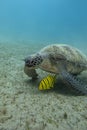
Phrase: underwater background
pixel 26 26
pixel 43 21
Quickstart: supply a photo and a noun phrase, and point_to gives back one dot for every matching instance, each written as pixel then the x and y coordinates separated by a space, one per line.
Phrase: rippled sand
pixel 24 107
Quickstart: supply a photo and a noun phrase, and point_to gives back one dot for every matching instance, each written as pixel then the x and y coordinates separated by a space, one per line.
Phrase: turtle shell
pixel 75 60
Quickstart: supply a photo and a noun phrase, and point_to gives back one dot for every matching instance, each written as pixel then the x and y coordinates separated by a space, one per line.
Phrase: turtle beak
pixel 23 60
pixel 26 60
pixel 29 62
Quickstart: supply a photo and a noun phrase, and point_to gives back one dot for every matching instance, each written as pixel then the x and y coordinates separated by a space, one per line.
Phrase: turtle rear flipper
pixel 71 79
pixel 74 82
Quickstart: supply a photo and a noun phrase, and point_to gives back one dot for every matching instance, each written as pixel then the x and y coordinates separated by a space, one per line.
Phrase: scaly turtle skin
pixel 59 59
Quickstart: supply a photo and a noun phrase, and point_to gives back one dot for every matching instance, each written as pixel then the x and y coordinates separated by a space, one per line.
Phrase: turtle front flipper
pixel 30 72
pixel 74 82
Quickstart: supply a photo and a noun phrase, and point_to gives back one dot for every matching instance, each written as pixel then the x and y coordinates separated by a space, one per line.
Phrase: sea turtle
pixel 59 59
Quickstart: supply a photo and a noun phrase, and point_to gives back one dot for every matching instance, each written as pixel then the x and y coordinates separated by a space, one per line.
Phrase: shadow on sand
pixel 59 87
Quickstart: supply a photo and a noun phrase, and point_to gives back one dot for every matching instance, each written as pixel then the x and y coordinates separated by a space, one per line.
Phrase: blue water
pixel 62 21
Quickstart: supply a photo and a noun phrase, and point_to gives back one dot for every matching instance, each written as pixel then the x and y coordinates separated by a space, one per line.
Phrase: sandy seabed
pixel 24 107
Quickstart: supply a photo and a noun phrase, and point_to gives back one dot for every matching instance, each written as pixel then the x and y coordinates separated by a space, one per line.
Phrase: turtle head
pixel 33 61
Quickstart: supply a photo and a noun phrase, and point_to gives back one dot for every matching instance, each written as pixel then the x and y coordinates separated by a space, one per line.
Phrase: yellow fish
pixel 47 82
